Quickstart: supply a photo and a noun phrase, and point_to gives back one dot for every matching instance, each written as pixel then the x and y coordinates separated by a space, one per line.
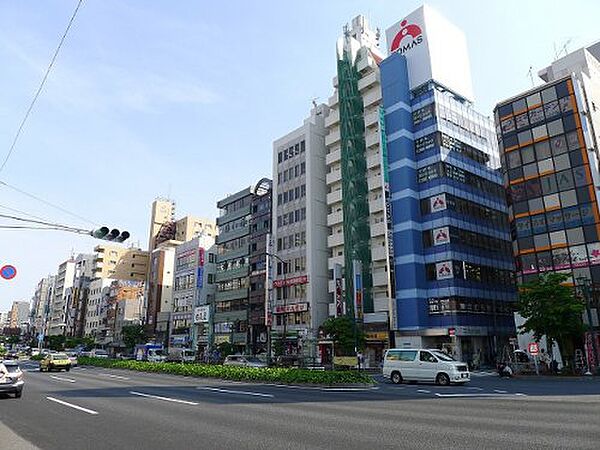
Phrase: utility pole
pixel 585 286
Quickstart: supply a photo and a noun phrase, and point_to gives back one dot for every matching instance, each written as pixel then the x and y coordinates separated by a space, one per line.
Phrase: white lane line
pixel 118 377
pixel 348 389
pixel 477 395
pixel 71 405
pixel 500 391
pixel 166 399
pixel 316 388
pixel 424 391
pixel 228 391
pixel 473 388
pixel 68 380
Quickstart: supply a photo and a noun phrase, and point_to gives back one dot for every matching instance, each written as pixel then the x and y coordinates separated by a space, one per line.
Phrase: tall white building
pixel 94 314
pixel 299 234
pixel 57 313
pixel 358 222
pixel 40 304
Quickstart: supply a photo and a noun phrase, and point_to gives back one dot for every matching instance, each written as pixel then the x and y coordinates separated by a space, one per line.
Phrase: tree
pixel 133 335
pixel 551 308
pixel 56 342
pixel 341 330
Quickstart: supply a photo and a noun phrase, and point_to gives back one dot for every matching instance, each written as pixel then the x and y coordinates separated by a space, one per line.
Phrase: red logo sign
pixel 534 349
pixel 291 281
pixel 406 29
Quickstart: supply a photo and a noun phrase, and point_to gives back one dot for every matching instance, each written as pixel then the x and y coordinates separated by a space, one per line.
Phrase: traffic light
pixel 107 234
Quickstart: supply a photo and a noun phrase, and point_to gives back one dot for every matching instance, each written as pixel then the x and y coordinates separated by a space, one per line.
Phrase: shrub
pixel 36 357
pixel 270 374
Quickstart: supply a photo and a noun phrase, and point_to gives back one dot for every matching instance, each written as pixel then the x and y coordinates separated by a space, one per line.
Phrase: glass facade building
pixel 452 246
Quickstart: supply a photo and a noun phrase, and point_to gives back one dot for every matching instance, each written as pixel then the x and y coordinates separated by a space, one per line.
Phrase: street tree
pixel 133 335
pixel 551 308
pixel 342 332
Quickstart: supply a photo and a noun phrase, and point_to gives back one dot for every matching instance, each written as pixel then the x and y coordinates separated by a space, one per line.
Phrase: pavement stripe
pixel 167 399
pixel 71 405
pixel 424 391
pixel 69 380
pixel 228 391
pixel 478 395
pixel 118 377
pixel 500 391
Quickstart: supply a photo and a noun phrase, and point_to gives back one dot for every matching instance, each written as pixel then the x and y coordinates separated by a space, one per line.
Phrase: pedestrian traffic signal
pixel 107 234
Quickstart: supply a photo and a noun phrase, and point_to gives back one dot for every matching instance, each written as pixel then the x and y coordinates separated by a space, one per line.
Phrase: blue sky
pixel 149 98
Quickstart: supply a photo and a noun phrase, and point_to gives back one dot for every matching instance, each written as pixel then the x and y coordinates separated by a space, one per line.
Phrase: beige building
pixel 190 227
pixel 120 263
pixel 161 216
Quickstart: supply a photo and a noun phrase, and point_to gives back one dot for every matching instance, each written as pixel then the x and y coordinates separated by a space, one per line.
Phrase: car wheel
pixel 396 378
pixel 67 368
pixel 442 379
pixel 18 394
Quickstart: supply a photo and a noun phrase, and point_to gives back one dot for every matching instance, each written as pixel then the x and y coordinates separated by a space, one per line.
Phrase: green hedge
pixel 271 374
pixel 37 357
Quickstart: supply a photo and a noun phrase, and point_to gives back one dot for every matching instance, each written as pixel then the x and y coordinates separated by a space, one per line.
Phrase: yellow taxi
pixel 55 361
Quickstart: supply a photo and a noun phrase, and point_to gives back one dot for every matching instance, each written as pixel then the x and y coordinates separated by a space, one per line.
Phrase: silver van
pixel 415 364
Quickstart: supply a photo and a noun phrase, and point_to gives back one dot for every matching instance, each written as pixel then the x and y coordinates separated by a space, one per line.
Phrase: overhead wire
pixel 39 222
pixel 40 87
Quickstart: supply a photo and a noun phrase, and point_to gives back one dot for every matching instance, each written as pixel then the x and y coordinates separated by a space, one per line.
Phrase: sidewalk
pixel 12 440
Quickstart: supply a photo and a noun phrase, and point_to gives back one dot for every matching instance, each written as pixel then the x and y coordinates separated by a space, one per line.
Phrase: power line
pixel 25 227
pixel 21 219
pixel 41 86
pixel 35 197
pixel 21 212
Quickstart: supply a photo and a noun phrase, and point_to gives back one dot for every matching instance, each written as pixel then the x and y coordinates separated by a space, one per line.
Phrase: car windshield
pixel 60 356
pixel 443 356
pixel 253 360
pixel 12 368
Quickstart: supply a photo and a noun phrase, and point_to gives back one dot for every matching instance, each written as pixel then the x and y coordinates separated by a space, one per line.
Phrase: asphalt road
pixel 91 408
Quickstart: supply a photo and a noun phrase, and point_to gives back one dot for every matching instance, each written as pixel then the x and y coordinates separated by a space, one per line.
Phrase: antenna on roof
pixel 563 50
pixel 530 75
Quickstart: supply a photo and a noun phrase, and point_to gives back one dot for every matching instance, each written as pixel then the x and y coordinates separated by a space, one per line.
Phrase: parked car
pixel 73 357
pixel 181 355
pixel 402 364
pixel 55 361
pixel 12 354
pixel 13 382
pixel 99 353
pixel 243 361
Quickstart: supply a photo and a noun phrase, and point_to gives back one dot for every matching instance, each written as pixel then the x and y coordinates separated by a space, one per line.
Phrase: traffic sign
pixel 8 272
pixel 534 348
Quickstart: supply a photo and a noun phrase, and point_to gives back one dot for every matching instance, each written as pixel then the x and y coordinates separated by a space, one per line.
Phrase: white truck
pixel 149 352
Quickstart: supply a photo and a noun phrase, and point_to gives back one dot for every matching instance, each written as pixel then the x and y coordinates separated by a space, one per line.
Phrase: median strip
pixel 166 399
pixel 71 405
pixel 68 380
pixel 228 391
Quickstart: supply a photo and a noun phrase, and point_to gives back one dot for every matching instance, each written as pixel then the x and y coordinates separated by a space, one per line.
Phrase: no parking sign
pixel 8 272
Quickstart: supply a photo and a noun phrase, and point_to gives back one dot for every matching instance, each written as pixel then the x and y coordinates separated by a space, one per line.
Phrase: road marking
pixel 228 391
pixel 477 395
pixel 71 405
pixel 500 391
pixel 69 380
pixel 475 388
pixel 424 391
pixel 348 389
pixel 118 377
pixel 167 399
pixel 316 388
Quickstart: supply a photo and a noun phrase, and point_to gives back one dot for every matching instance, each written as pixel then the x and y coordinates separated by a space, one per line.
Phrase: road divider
pixel 71 405
pixel 166 399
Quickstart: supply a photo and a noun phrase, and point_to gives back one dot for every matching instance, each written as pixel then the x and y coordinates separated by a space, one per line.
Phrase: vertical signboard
pixel 358 289
pixel 340 309
pixel 269 280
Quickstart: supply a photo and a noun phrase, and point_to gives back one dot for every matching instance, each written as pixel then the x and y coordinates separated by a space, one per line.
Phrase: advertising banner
pixel 443 270
pixel 358 290
pixel 202 314
pixel 441 236
pixel 303 279
pixel 296 307
pixel 437 203
pixel 340 309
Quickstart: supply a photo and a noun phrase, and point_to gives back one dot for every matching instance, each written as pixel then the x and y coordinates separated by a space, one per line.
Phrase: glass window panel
pixel 542 150
pixel 539 132
pixel 536 204
pixel 579 174
pixel 555 127
pixel 591 234
pixel 518 192
pixel 583 195
pixel 576 157
pixel 530 170
pixel 541 241
pixel 526 243
pixel 522 121
pixel 578 256
pixel 533 188
pixel 527 155
pixel 565 104
pixel 544 261
pixel 536 115
pixel 565 180
pixel 549 185
pixel 534 99
pixel 572 216
pixel 523 226
pixel 520 207
pixel 568 198
pixel 510 140
pixel 525 136
pixel 554 220
pixel 546 165
pixel 538 223
pixel 558 237
pixel 508 125
pixel 587 214
pixel 551 109
pixel 569 123
pixel 515 174
pixel 573 140
pixel 562 162
pixel 549 94
pixel 514 159
pixel 529 263
pixel 519 105
pixel 551 201
pixel 504 110
pixel 560 258
pixel 558 145
pixel 562 89
pixel 575 236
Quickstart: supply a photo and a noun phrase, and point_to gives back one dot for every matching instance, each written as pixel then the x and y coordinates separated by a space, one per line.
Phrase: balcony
pixel 372 139
pixel 372 119
pixel 333 100
pixel 233 215
pixel 375 205
pixel 381 303
pixel 334 218
pixel 230 316
pixel 232 273
pixel 333 136
pixel 335 240
pixel 335 260
pixel 333 176
pixel 332 118
pixel 334 197
pixel 378 229
pixel 374 182
pixel 380 278
pixel 231 235
pixel 334 81
pixel 379 253
pixel 373 160
pixel 333 156
pixel 225 296
pixel 369 80
pixel 233 254
pixel 372 98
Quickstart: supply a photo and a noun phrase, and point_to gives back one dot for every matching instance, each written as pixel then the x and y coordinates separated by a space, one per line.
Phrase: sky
pixel 183 99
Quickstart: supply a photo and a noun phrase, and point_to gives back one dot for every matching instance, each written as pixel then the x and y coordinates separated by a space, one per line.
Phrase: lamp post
pixel 585 285
pixel 284 268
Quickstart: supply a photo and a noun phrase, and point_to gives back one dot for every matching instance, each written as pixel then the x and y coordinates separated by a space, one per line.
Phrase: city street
pixel 92 407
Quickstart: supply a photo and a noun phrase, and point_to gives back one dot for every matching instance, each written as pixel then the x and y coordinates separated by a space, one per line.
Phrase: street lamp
pixel 284 268
pixel 585 287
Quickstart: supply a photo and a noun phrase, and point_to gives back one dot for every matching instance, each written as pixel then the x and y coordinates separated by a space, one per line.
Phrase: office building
pixel 40 305
pixel 120 262
pixel 57 313
pixel 300 235
pixel 19 315
pixel 452 255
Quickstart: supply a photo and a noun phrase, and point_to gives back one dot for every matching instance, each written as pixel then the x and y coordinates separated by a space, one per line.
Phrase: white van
pixel 414 364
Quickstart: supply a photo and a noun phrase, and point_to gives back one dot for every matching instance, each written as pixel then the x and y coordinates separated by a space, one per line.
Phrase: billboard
pixel 202 314
pixel 434 49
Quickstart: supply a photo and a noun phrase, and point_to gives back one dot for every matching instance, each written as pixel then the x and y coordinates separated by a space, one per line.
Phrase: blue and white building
pixel 453 262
